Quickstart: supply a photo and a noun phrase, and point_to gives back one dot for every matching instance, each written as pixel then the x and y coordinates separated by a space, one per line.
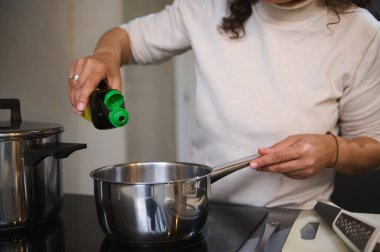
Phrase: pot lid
pixel 17 130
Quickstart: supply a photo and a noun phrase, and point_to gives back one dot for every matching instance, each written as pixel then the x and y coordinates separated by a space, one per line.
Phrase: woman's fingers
pixel 294 169
pixel 282 151
pixel 90 71
pixel 298 156
pixel 114 81
pixel 75 79
pixel 92 74
pixel 275 158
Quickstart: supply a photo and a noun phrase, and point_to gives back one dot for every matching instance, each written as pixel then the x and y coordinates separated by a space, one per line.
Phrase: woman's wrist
pixel 356 155
pixel 116 44
pixel 334 143
pixel 107 54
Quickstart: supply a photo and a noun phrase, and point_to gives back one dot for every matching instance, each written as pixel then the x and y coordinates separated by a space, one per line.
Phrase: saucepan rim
pixel 123 165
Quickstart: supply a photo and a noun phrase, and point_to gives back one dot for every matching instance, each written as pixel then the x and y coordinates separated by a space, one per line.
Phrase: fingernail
pixel 254 165
pixel 80 107
pixel 76 111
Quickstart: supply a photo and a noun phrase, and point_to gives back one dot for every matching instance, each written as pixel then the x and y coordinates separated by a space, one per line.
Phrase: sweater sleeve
pixel 158 36
pixel 360 104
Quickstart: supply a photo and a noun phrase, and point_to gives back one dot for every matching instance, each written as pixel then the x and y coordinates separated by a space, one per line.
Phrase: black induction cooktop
pixel 76 228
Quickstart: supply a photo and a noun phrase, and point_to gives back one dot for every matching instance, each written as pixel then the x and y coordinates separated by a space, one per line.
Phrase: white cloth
pixel 295 71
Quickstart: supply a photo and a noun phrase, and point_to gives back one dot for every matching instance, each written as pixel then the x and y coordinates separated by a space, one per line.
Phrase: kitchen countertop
pixel 286 217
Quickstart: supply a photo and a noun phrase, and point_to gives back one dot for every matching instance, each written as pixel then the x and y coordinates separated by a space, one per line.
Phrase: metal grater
pixel 358 234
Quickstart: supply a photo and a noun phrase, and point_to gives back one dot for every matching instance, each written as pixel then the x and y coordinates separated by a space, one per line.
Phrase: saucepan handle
pixel 34 155
pixel 223 170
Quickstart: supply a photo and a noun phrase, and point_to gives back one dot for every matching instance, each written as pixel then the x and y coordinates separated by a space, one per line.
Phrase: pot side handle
pixel 34 155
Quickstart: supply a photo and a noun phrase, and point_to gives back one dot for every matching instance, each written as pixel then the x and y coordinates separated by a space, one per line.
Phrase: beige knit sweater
pixel 295 71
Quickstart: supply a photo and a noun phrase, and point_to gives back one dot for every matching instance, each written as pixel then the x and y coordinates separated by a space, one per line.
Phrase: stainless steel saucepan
pixel 155 202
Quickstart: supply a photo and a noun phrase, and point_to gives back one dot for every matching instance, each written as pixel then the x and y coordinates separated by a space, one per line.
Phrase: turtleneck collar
pixel 287 12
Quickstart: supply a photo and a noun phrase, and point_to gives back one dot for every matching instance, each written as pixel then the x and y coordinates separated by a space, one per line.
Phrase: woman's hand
pixel 298 156
pixel 91 71
pixel 113 50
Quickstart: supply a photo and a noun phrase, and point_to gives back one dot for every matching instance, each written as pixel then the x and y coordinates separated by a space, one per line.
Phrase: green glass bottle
pixel 105 109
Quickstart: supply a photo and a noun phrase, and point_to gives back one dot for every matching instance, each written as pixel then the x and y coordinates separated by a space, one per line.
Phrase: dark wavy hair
pixel 241 10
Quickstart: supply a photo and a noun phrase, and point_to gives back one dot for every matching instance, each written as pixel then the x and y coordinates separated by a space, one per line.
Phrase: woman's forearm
pixel 115 42
pixel 357 155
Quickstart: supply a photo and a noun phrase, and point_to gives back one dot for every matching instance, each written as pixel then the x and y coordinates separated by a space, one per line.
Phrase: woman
pixel 278 73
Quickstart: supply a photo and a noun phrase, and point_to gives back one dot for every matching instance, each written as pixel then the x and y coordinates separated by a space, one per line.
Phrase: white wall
pixel 39 40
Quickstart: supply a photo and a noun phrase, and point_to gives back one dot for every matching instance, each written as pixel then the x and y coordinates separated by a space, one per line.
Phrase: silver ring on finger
pixel 75 77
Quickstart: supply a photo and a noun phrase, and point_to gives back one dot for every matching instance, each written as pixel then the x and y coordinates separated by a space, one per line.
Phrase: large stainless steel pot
pixel 155 202
pixel 30 169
